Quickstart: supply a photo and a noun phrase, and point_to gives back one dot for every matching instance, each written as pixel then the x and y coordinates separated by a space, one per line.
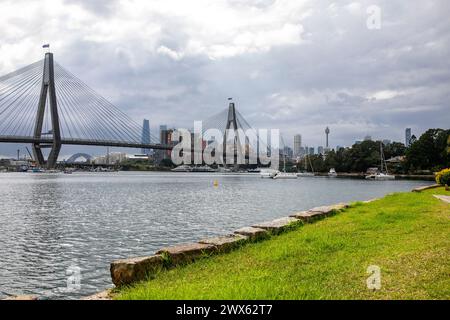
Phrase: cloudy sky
pixel 297 65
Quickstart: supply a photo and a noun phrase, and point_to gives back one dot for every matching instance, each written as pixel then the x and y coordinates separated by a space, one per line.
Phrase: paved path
pixel 443 198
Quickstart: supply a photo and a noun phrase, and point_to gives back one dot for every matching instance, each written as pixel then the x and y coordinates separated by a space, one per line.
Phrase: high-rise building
pixel 297 145
pixel 408 137
pixel 162 133
pixel 367 138
pixel 145 138
pixel 287 152
pixel 386 142
pixel 327 132
pixel 320 150
pixel 302 151
pixel 311 151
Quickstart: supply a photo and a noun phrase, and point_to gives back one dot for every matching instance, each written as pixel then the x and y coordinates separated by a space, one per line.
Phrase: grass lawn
pixel 406 234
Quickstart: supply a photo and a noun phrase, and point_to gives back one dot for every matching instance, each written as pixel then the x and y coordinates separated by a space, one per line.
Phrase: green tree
pixel 448 145
pixel 363 156
pixel 429 152
pixel 394 149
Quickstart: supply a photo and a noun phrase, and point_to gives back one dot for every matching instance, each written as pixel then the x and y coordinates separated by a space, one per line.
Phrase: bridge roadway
pixel 80 142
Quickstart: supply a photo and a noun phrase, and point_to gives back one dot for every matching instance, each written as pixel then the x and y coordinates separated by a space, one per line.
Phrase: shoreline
pixel 409 226
pixel 126 272
pixel 222 244
pixel 317 174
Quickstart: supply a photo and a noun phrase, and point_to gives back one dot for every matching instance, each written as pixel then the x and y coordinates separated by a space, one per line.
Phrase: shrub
pixel 443 177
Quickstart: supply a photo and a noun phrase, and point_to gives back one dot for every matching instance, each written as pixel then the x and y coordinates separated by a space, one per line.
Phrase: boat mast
pixel 381 157
pixel 310 163
pixel 383 160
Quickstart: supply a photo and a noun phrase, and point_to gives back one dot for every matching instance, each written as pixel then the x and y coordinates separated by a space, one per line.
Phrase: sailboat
pixel 383 174
pixel 306 173
pixel 284 174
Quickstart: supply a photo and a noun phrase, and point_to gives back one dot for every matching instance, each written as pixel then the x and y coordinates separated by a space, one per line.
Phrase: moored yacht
pixel 268 173
pixel 332 173
pixel 383 174
pixel 182 168
pixel 285 175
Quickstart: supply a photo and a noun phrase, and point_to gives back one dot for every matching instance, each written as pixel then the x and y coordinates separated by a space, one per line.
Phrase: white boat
pixel 332 173
pixel 285 175
pixel 383 175
pixel 182 168
pixel 268 173
pixel 224 170
pixel 380 176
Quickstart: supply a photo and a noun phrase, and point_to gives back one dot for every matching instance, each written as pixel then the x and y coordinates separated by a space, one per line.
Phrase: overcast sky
pixel 297 65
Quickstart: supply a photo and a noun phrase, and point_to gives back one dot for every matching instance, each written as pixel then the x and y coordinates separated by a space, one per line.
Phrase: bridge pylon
pixel 47 92
pixel 231 125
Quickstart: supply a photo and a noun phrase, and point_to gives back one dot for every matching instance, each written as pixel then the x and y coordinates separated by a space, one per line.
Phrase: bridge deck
pixel 104 143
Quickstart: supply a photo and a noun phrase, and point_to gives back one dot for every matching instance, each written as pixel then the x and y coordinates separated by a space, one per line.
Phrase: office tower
pixel 297 145
pixel 408 137
pixel 163 134
pixel 311 151
pixel 320 150
pixel 367 138
pixel 145 138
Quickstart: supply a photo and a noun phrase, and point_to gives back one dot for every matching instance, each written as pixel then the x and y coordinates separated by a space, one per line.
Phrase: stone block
pixel 185 253
pixel 276 226
pixel 329 209
pixel 127 271
pixel 225 243
pixel 253 233
pixel 423 188
pixel 308 216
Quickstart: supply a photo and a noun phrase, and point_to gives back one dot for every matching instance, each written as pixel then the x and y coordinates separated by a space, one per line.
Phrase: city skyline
pixel 288 65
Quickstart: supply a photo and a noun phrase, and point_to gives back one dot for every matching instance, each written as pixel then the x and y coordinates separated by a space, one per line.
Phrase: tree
pixel 448 145
pixel 166 162
pixel 364 155
pixel 429 151
pixel 394 149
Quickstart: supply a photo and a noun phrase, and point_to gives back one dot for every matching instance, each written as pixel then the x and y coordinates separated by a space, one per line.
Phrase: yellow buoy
pixel 216 183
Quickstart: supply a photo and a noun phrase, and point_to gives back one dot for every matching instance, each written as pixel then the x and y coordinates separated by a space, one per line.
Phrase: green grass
pixel 406 234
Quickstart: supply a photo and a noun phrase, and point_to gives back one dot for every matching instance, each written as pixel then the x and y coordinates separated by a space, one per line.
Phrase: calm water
pixel 49 223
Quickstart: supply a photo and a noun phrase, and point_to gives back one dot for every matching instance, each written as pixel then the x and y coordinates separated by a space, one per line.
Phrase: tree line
pixel 429 153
